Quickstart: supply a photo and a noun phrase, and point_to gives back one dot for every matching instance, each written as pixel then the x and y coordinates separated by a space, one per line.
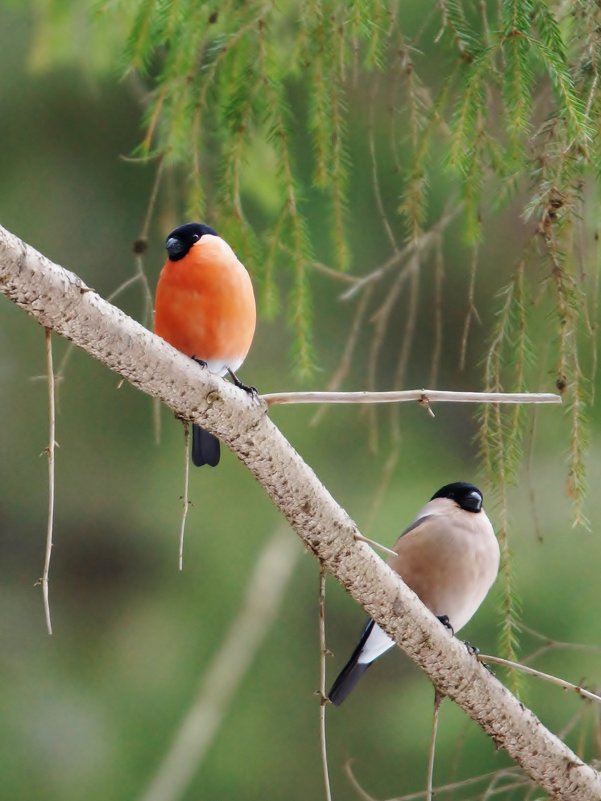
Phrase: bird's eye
pixel 195 237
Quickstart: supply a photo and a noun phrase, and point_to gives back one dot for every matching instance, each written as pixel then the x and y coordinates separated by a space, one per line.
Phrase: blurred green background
pixel 90 712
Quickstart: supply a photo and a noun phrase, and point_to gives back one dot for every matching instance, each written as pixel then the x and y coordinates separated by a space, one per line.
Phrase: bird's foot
pixel 201 362
pixel 444 619
pixel 473 650
pixel 252 391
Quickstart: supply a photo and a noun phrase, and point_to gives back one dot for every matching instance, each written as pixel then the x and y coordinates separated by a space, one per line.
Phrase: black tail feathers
pixel 205 447
pixel 352 671
pixel 347 679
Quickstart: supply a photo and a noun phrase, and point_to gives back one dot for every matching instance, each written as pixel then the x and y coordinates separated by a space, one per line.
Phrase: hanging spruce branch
pixel 262 111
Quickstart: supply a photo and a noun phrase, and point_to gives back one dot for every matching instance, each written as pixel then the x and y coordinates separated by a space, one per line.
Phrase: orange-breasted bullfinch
pixel 205 307
pixel 449 556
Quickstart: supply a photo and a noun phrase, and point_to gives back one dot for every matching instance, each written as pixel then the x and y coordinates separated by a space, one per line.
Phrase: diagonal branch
pixel 60 300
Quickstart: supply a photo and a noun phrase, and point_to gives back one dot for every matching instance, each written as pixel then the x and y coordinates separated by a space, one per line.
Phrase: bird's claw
pixel 444 619
pixel 248 388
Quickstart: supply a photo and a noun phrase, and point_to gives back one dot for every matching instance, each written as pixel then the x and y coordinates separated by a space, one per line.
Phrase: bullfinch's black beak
pixel 175 248
pixel 472 502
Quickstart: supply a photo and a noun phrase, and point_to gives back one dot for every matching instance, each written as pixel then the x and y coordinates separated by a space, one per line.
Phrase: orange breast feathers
pixel 205 305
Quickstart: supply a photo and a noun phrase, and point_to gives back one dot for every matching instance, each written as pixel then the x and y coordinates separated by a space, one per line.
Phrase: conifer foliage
pixel 267 112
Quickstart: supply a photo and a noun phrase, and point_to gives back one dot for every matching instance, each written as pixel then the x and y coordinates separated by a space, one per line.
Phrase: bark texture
pixel 59 300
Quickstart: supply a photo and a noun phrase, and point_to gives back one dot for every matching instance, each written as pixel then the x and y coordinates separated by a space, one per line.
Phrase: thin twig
pixel 472 312
pixel 493 789
pixel 185 497
pixel 385 476
pixel 355 782
pixel 595 318
pixel 156 421
pixel 323 700
pixel 549 644
pixel 142 277
pixel 50 454
pixel 485 25
pixel 376 544
pixel 139 277
pixel 146 291
pixel 380 322
pixel 415 246
pixel 597 733
pixel 375 180
pixel 508 773
pixel 438 699
pixel 331 272
pixel 152 200
pixel 60 373
pixel 530 472
pixel 228 667
pixel 438 307
pixel 566 685
pixel 403 396
pixel 346 359
pixel 410 321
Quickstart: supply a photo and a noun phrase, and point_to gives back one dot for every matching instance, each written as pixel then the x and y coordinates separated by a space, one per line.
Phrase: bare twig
pixel 139 277
pixel 146 291
pixel 331 272
pixel 152 200
pixel 530 472
pixel 410 322
pixel 438 699
pixel 548 644
pixel 566 685
pixel 346 359
pixel 228 667
pixel 50 454
pixel 438 306
pixel 421 244
pixel 504 773
pixel 62 367
pixel 323 699
pixel 386 474
pixel 185 496
pixel 375 180
pixel 380 320
pixel 595 317
pixel 407 395
pixel 355 782
pixel 471 312
pixel 380 323
pixel 375 544
pixel 551 643
pixel 156 421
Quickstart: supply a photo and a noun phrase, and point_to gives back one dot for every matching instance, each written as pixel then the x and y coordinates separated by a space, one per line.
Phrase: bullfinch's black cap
pixel 465 495
pixel 181 239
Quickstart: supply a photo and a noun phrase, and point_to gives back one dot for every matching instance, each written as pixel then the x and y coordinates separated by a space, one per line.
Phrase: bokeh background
pixel 90 712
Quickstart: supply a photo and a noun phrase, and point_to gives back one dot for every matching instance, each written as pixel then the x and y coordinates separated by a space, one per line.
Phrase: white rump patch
pixel 377 644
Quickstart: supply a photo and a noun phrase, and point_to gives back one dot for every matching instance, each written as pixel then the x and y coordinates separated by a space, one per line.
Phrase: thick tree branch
pixel 61 301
